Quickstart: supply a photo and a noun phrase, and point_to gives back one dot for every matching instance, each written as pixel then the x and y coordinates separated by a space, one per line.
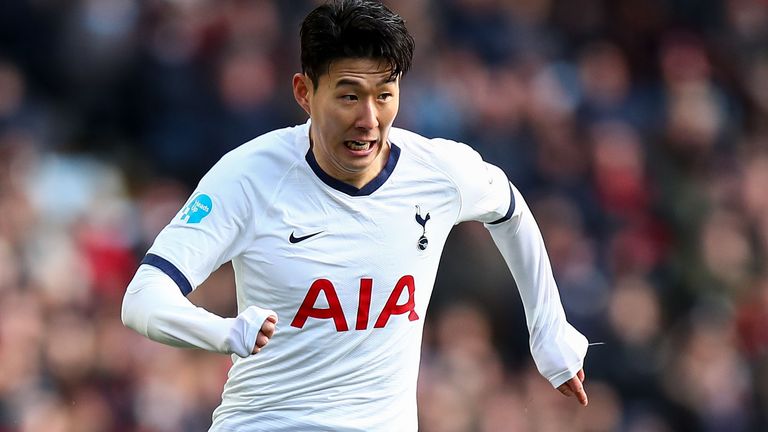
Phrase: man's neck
pixel 358 180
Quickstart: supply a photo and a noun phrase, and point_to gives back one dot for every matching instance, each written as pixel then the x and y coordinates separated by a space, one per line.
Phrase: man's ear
pixel 302 91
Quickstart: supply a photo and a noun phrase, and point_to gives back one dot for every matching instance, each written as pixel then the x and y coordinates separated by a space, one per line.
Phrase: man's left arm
pixel 486 195
pixel 558 349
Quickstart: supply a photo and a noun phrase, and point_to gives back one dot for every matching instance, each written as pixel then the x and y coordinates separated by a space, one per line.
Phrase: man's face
pixel 352 109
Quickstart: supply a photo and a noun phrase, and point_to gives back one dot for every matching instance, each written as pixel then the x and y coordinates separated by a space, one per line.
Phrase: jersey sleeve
pixel 486 195
pixel 558 349
pixel 483 188
pixel 154 307
pixel 214 226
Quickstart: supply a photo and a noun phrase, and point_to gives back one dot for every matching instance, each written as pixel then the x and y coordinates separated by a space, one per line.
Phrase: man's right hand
pixel 241 335
pixel 266 332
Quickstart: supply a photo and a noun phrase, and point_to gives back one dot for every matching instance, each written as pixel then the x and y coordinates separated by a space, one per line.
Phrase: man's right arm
pixel 213 227
pixel 154 306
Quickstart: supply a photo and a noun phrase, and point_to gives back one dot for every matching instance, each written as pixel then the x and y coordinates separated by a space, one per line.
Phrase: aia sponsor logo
pixel 336 313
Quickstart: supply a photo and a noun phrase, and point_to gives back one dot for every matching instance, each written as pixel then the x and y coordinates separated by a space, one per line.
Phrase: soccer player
pixel 336 227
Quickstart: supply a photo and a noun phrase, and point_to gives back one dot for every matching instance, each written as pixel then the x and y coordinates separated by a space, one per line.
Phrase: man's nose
pixel 368 116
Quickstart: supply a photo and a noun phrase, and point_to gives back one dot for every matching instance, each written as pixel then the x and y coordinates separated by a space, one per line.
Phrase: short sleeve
pixel 211 228
pixel 484 190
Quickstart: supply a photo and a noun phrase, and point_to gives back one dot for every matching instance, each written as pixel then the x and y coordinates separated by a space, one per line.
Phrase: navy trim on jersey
pixel 166 267
pixel 370 187
pixel 511 209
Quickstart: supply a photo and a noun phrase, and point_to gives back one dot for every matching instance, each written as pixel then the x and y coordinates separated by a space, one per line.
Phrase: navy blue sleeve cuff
pixel 510 210
pixel 166 267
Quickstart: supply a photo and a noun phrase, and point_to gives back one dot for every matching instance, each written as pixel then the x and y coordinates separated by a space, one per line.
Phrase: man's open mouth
pixel 359 145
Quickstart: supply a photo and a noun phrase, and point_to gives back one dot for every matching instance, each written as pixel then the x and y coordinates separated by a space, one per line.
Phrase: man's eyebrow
pixel 349 82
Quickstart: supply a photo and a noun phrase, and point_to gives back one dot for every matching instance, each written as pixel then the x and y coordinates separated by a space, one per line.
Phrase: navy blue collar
pixel 370 187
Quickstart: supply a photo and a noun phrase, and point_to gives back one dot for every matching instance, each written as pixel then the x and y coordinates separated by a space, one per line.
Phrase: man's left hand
pixel 574 386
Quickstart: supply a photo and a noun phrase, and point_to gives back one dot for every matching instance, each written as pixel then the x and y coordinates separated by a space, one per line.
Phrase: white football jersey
pixel 348 271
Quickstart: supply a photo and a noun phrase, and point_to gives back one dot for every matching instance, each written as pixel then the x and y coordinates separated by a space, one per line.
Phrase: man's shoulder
pixel 262 160
pixel 285 142
pixel 434 151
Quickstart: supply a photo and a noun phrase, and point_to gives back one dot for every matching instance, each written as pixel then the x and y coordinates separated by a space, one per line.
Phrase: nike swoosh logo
pixel 294 239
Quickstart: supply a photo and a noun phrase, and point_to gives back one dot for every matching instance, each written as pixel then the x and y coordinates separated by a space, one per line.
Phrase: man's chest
pixel 325 232
pixel 352 261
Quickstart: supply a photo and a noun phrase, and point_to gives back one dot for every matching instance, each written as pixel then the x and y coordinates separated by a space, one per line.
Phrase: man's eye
pixel 349 97
pixel 385 96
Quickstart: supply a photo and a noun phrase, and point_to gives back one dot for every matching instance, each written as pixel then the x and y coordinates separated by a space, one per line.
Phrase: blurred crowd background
pixel 636 129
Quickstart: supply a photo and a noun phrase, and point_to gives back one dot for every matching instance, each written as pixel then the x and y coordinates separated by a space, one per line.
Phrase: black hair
pixel 342 29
